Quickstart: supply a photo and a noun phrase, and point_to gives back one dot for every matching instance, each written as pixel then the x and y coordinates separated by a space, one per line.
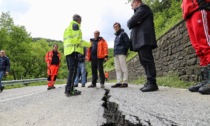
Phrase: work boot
pixel 67 91
pixel 75 85
pixel 102 86
pixel 116 85
pixel 144 86
pixel 205 89
pixel 73 93
pixel 149 87
pixel 204 79
pixel 124 85
pixel 92 86
pixel 1 89
pixel 51 87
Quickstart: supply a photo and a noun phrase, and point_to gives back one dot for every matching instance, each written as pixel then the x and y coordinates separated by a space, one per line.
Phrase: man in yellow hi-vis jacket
pixel 73 44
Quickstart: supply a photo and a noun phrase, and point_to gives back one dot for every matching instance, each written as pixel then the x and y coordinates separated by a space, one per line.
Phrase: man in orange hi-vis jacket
pixel 52 59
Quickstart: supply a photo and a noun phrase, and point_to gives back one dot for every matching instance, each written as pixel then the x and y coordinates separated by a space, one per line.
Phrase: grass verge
pixel 170 80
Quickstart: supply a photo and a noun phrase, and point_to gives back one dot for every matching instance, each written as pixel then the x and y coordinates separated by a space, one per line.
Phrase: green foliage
pixel 109 65
pixel 166 18
pixel 27 55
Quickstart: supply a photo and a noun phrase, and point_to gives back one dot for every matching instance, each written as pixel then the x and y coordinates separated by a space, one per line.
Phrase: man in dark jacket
pixel 143 41
pixel 4 67
pixel 121 46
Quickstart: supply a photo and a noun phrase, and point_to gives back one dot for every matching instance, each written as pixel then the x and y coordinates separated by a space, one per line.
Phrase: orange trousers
pixel 52 72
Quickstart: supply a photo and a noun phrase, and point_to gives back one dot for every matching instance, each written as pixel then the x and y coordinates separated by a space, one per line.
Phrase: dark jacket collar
pixel 93 39
pixel 142 4
pixel 118 32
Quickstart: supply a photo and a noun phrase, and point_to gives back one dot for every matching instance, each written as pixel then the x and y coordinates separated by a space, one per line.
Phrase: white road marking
pixel 22 96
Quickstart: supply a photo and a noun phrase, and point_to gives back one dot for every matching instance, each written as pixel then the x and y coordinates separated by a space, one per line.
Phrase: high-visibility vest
pixel 72 40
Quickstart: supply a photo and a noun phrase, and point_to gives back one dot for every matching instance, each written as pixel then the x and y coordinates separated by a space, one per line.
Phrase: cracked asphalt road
pixel 166 107
pixel 36 106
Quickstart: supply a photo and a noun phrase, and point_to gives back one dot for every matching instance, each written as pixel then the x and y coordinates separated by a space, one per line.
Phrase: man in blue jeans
pixel 81 72
pixel 4 67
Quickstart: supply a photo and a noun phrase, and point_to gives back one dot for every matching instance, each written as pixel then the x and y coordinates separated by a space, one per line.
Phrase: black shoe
pixel 49 88
pixel 144 86
pixel 92 86
pixel 67 94
pixel 2 88
pixel 204 89
pixel 149 87
pixel 53 87
pixel 76 85
pixel 116 85
pixel 124 85
pixel 196 87
pixel 102 86
pixel 73 93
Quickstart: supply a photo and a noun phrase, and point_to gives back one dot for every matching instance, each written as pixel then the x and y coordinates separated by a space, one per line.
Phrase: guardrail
pixel 24 81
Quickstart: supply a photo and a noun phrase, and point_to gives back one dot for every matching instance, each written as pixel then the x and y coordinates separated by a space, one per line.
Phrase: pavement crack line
pixel 114 117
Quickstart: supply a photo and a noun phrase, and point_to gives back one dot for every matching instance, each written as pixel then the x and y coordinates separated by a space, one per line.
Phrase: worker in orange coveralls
pixel 52 59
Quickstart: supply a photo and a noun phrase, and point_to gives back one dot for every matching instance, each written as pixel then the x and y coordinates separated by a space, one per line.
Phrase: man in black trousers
pixel 143 41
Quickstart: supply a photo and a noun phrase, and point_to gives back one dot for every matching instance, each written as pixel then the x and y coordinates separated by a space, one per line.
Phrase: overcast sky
pixel 49 18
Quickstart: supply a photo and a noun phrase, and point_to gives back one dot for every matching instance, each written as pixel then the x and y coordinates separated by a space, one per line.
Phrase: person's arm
pixel 47 59
pixel 86 44
pixel 7 66
pixel 87 56
pixel 105 47
pixel 138 17
pixel 59 55
pixel 126 40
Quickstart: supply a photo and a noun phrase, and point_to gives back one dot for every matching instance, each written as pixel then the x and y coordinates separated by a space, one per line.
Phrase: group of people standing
pixel 142 40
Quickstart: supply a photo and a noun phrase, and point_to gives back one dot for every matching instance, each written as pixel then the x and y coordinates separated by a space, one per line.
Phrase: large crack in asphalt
pixel 114 117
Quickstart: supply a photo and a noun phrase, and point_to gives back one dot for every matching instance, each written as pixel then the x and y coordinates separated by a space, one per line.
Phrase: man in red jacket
pixel 52 59
pixel 197 16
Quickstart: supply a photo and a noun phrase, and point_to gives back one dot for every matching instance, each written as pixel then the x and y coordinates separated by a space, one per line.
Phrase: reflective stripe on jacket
pixel 102 50
pixel 72 40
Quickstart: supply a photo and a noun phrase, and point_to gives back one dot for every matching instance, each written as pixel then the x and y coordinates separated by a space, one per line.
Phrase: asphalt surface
pixel 36 106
